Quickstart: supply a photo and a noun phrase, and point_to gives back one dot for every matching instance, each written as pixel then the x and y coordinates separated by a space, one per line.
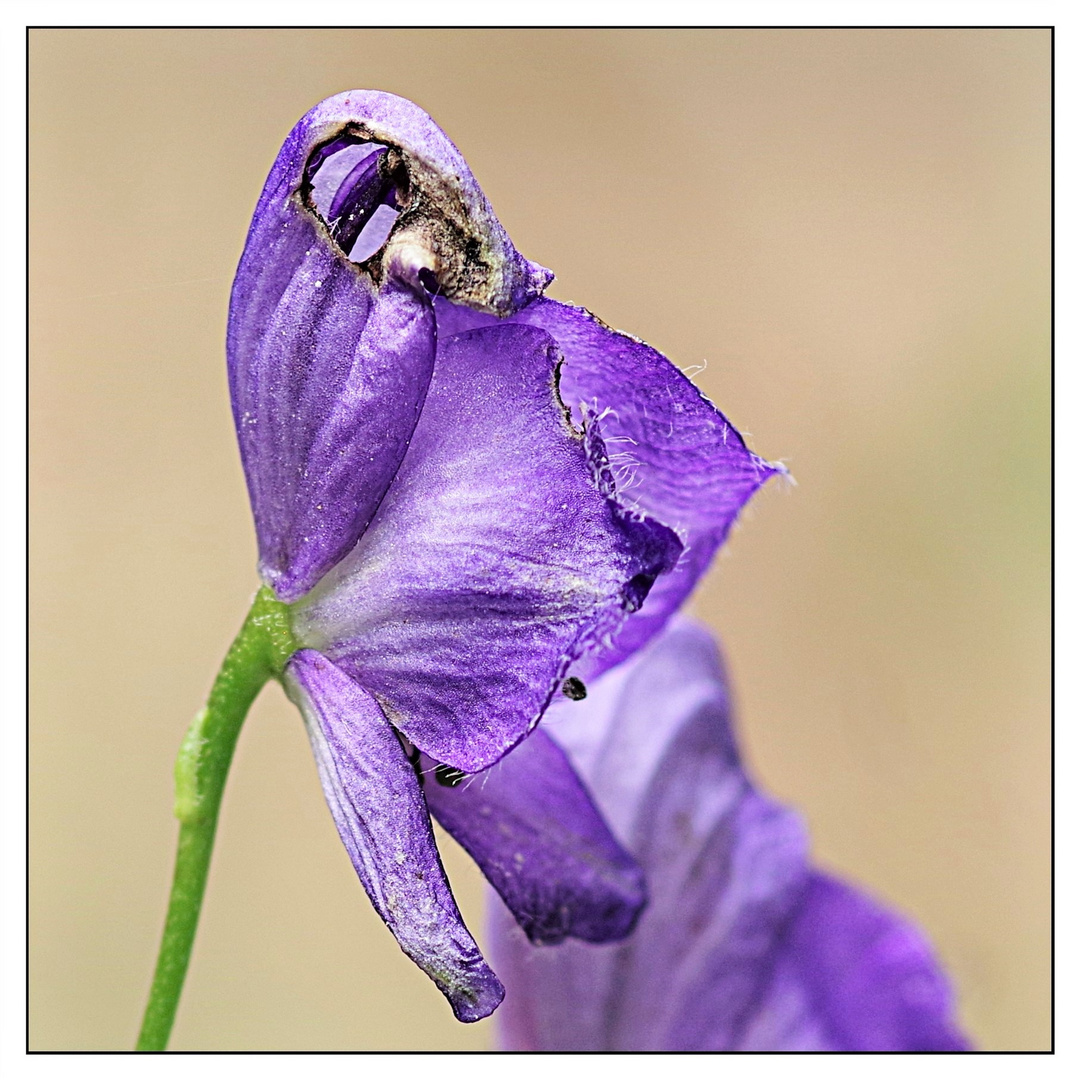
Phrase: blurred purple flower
pixel 453 540
pixel 744 945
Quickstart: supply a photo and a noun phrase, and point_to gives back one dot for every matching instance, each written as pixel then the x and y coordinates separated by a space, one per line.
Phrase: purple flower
pixel 744 945
pixel 452 539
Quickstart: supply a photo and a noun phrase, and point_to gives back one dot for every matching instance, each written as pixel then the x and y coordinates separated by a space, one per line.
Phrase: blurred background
pixel 850 227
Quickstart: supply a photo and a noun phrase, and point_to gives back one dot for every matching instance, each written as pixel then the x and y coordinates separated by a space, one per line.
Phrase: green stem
pixel 259 653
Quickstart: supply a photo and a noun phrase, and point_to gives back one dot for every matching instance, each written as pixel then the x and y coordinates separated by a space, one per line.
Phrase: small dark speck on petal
pixel 574 689
pixel 447 776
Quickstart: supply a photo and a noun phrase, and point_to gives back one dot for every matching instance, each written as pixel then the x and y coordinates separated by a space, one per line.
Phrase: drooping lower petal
pixel 536 834
pixel 494 560
pixel 379 810
pixel 742 946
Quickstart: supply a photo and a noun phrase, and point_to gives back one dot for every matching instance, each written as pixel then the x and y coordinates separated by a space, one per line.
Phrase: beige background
pixel 852 227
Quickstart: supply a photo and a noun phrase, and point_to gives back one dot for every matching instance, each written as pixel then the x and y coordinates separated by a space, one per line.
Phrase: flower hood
pixel 466 493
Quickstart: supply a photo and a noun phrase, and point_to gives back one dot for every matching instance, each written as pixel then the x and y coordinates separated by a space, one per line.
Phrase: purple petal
pixel 493 562
pixel 326 396
pixel 329 362
pixel 675 456
pixel 741 946
pixel 379 811
pixel 536 834
pixel 684 463
pixel 328 376
pixel 852 975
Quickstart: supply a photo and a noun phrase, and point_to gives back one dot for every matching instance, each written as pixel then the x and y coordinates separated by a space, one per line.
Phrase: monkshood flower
pixel 744 944
pixel 463 495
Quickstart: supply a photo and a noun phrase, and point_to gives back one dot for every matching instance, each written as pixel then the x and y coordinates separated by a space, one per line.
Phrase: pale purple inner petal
pixel 330 172
pixel 375 233
pixel 357 182
pixel 355 197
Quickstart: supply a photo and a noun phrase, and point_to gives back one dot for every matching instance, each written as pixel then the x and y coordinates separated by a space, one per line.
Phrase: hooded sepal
pixel 368 209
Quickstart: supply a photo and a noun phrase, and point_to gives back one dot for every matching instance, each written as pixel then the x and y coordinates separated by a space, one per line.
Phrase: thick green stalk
pixel 259 653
